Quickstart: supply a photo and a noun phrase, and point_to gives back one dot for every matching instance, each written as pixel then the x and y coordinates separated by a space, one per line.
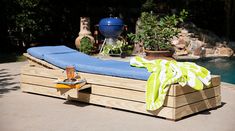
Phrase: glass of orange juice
pixel 70 71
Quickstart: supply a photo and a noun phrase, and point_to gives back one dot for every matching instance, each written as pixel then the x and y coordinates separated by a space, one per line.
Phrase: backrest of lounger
pixel 39 52
pixel 89 64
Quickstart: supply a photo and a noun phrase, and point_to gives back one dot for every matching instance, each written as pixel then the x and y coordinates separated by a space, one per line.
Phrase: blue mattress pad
pixel 39 52
pixel 62 56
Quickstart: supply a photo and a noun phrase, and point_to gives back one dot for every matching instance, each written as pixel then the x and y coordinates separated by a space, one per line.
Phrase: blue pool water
pixel 225 67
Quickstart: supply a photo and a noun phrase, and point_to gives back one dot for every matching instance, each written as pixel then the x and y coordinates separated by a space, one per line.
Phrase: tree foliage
pixel 27 21
pixel 156 32
pixel 59 19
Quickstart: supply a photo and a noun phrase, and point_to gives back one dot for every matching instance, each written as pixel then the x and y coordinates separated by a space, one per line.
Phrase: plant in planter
pixel 156 33
pixel 86 45
pixel 121 48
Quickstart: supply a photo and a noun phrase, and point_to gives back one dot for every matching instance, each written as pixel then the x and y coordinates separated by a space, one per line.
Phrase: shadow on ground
pixel 7 81
pixel 76 103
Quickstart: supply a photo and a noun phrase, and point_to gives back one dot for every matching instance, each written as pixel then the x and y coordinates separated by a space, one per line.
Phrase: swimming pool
pixel 225 67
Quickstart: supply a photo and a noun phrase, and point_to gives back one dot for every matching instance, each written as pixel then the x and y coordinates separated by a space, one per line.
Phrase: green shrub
pixel 155 33
pixel 86 46
pixel 121 47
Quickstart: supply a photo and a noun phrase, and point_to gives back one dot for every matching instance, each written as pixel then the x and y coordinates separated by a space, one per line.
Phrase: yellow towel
pixel 164 73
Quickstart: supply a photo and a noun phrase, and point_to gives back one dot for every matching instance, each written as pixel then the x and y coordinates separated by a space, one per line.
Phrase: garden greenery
pixel 156 32
pixel 120 48
pixel 86 46
pixel 26 20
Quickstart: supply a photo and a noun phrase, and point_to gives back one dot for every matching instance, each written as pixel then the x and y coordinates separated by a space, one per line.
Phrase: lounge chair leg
pixel 102 46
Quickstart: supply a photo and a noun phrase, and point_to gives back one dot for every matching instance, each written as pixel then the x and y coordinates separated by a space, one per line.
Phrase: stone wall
pixel 202 43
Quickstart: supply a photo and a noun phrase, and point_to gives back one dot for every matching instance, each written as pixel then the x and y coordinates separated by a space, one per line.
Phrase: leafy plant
pixel 149 5
pixel 155 33
pixel 121 47
pixel 26 20
pixel 86 46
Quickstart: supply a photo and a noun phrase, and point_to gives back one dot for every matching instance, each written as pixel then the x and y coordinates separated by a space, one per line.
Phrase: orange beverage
pixel 70 71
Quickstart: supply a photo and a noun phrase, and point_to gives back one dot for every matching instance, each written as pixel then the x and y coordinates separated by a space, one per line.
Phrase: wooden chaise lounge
pixel 117 92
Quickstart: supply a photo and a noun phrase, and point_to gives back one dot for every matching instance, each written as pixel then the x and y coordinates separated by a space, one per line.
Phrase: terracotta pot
pixel 151 55
pixel 84 31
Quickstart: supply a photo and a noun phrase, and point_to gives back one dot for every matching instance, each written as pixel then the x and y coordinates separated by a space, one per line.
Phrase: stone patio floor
pixel 29 112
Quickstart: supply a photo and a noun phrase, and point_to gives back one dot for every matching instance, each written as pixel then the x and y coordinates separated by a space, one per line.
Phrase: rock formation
pixel 223 50
pixel 198 42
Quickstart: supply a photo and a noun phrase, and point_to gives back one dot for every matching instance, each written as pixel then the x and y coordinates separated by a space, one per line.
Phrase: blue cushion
pixel 39 52
pixel 67 59
pixel 89 64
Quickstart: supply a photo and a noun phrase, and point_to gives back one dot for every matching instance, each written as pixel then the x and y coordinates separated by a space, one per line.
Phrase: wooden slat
pixel 166 112
pixel 197 107
pixel 118 93
pixel 215 81
pixel 42 72
pixel 60 93
pixel 34 64
pixel 170 101
pixel 177 89
pixel 44 81
pixel 193 97
pixel 40 62
pixel 123 104
pixel 138 85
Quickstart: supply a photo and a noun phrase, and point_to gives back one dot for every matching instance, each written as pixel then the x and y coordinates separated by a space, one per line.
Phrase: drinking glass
pixel 70 71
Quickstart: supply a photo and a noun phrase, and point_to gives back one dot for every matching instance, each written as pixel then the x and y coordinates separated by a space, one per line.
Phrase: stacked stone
pixel 200 44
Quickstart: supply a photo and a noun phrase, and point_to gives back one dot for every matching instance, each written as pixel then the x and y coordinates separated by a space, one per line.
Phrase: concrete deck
pixel 29 112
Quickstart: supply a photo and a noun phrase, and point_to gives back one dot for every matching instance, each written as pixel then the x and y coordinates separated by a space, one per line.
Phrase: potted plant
pixel 121 48
pixel 155 33
pixel 86 45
